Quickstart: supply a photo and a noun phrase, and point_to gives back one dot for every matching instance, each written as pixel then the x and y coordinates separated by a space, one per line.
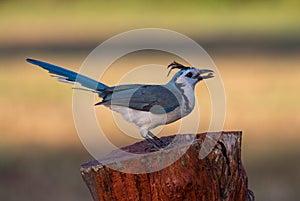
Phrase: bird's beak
pixel 205 74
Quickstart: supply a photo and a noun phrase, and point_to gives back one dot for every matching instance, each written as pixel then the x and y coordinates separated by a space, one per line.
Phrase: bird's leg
pixel 157 144
pixel 154 137
pixel 153 143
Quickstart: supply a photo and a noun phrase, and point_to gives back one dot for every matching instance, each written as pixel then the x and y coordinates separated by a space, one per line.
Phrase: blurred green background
pixel 255 44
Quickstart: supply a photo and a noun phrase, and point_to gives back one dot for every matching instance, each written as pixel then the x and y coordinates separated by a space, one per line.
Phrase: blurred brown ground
pixel 40 152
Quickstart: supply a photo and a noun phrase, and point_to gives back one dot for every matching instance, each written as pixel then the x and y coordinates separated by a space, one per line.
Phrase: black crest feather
pixel 174 65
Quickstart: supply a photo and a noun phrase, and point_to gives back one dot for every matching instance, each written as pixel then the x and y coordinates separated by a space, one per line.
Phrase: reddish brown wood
pixel 220 176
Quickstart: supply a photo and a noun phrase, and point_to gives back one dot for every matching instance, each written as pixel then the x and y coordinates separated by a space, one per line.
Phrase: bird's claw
pixel 157 143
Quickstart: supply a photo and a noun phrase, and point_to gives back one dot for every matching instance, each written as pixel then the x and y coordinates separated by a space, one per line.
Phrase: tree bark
pixel 204 173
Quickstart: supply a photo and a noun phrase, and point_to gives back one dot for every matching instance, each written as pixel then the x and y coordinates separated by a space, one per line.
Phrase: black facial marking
pixel 186 100
pixel 189 75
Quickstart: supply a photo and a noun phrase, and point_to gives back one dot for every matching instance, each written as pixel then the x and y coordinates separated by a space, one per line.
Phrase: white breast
pixel 141 119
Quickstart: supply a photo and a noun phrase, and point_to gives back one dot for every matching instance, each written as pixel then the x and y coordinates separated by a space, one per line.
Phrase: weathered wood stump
pixel 200 173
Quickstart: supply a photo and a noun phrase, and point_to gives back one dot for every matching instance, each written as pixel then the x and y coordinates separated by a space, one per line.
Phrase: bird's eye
pixel 189 74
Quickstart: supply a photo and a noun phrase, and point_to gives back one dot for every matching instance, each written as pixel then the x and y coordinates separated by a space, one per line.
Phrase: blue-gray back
pixel 157 99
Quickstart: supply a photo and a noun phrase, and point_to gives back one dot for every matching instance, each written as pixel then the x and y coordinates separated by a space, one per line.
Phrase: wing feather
pixel 156 99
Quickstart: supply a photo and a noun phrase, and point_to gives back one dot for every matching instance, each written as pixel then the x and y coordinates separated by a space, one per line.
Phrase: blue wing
pixel 65 75
pixel 156 99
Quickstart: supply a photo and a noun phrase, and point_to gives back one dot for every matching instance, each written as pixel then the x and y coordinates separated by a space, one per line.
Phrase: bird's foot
pixel 163 143
pixel 152 148
pixel 156 143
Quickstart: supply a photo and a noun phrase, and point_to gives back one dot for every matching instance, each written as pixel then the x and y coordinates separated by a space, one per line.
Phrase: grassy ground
pixel 27 22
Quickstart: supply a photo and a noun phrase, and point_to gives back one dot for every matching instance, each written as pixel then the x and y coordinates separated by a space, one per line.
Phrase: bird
pixel 146 106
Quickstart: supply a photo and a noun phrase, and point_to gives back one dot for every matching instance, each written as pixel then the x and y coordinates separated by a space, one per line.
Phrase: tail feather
pixel 68 76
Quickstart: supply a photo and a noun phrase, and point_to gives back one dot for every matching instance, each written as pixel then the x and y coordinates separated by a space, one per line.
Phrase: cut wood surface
pixel 204 167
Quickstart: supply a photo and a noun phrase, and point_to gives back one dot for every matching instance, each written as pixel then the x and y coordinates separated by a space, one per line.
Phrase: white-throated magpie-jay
pixel 147 106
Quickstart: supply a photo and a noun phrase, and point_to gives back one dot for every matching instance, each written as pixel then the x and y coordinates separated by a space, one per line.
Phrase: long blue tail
pixel 65 75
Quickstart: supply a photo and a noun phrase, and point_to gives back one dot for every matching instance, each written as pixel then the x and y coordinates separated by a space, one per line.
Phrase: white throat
pixel 188 96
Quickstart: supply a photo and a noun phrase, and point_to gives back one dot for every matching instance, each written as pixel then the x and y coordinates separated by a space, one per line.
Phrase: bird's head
pixel 189 75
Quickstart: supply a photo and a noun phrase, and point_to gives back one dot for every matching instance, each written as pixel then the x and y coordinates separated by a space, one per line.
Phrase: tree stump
pixel 218 176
